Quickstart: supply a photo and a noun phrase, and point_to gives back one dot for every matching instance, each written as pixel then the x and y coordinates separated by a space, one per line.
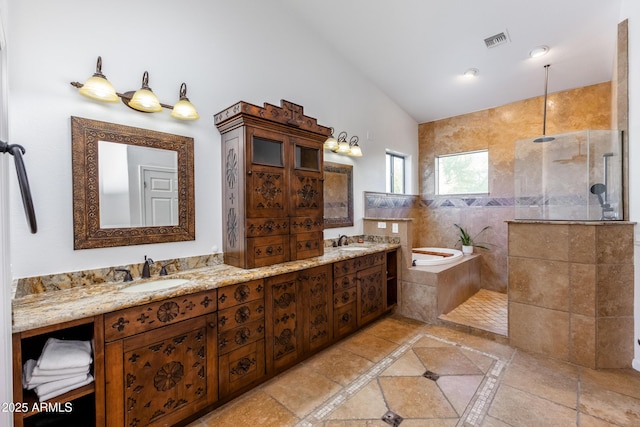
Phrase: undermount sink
pixel 155 285
pixel 352 248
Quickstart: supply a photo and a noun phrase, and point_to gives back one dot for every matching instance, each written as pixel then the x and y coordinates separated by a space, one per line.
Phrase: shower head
pixel 608 155
pixel 599 189
pixel 544 139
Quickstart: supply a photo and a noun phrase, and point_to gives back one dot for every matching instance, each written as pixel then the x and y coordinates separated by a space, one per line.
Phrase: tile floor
pixel 486 310
pixel 413 374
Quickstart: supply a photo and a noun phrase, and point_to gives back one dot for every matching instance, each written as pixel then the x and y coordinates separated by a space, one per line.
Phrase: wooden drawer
pixel 134 320
pixel 240 315
pixel 259 227
pixel 242 335
pixel 306 245
pixel 262 251
pixel 344 282
pixel 352 265
pixel 345 297
pixel 241 367
pixel 344 320
pixel 230 296
pixel 306 224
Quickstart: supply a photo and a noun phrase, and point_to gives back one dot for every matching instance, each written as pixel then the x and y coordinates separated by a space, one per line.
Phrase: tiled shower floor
pixel 486 310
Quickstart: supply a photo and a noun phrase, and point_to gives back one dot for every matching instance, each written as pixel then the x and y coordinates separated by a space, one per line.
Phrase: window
pixel 395 173
pixel 463 173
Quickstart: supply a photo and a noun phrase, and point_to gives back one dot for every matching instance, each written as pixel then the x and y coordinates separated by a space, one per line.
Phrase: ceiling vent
pixel 497 40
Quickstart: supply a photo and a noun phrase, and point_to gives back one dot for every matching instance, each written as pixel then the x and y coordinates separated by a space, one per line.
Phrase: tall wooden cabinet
pixel 273 204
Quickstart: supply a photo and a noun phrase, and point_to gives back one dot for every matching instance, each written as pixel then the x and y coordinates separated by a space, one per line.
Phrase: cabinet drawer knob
pixel 212 325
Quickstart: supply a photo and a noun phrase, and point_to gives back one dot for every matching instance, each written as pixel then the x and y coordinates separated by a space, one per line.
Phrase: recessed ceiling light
pixel 539 51
pixel 471 72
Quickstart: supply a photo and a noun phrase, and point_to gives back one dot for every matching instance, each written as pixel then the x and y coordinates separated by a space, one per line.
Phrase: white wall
pixel 6 392
pixel 631 11
pixel 225 51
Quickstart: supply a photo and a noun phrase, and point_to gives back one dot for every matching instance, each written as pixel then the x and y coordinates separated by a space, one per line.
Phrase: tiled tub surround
pixel 90 299
pixel 426 292
pixel 571 290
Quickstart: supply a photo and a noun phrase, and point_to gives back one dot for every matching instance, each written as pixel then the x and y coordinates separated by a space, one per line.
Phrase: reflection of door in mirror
pixel 138 185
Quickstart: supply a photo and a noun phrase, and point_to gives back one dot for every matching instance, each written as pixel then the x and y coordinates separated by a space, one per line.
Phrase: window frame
pixel 389 158
pixel 438 167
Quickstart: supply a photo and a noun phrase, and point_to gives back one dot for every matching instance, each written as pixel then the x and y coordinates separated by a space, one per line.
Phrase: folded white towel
pixel 62 354
pixel 46 396
pixel 50 387
pixel 32 376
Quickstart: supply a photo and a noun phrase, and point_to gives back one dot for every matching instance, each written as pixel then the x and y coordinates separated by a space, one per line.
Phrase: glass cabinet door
pixel 307 158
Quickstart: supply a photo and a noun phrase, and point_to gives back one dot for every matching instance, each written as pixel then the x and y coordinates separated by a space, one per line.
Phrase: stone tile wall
pixel 571 291
pixel 496 129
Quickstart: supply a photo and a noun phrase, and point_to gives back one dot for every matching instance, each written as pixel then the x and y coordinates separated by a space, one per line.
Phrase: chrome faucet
pixel 346 242
pixel 145 268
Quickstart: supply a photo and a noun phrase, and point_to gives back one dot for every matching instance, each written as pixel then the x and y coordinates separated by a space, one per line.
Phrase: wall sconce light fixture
pixel 342 146
pixel 99 88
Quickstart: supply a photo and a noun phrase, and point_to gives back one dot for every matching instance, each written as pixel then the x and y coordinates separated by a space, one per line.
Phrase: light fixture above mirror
pixel 97 87
pixel 342 146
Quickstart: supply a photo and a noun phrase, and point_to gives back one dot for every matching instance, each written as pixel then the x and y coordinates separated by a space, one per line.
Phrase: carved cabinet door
pixel 162 376
pixel 318 316
pixel 371 293
pixel 267 184
pixel 283 320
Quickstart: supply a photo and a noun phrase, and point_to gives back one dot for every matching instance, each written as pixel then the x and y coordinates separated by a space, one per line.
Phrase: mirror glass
pixel 138 185
pixel 131 186
pixel 338 195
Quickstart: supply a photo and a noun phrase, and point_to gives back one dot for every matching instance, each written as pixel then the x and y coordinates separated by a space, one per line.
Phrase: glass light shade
pixel 331 144
pixel 145 100
pixel 344 147
pixel 100 89
pixel 355 151
pixel 184 110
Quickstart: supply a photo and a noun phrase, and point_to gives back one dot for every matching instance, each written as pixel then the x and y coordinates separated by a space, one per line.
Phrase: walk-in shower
pixel 576 176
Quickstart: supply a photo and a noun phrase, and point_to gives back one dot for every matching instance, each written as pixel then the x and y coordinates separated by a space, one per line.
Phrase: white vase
pixel 467 249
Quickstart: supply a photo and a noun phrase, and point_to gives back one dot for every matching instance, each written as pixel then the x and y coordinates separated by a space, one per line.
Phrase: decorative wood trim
pixel 288 113
pixel 85 135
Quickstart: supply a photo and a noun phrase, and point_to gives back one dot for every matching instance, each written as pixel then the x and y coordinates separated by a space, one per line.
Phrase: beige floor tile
pixel 521 409
pixel 394 330
pixel 367 404
pixel 430 342
pixel 416 397
pixel 481 361
pixel 406 365
pixel 493 422
pixel 357 423
pixel 339 364
pixel 486 310
pixel 439 422
pixel 624 381
pixel 589 421
pixel 447 361
pixel 546 378
pixel 610 406
pixel 369 346
pixel 459 389
pixel 301 390
pixel 256 410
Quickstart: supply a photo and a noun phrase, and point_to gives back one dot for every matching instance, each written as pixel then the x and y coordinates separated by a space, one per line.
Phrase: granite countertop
pixel 45 309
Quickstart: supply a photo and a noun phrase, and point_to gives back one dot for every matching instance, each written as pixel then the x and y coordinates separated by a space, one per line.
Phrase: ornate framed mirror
pixel 338 195
pixel 131 186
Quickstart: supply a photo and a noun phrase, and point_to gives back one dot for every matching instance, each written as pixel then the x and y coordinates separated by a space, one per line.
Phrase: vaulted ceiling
pixel 416 51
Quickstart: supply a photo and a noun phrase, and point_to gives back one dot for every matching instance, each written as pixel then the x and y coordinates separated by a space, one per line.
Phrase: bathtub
pixel 434 256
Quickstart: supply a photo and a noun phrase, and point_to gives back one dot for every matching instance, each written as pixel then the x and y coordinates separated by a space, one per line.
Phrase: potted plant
pixel 468 242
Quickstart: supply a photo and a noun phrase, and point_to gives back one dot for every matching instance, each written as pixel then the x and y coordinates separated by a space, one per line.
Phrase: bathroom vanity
pixel 168 356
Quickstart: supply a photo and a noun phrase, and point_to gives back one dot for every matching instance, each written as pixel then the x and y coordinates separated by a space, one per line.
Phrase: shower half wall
pixel 576 176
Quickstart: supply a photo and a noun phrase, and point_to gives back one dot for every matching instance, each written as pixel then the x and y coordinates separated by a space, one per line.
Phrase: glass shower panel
pixel 576 176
